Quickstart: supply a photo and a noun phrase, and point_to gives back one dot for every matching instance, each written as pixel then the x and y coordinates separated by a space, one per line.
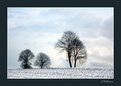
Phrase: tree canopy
pixel 25 56
pixel 42 60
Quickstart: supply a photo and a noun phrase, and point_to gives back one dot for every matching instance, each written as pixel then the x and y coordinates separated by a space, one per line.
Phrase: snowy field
pixel 61 73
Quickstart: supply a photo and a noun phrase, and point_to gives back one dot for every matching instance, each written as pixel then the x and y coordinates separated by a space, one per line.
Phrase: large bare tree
pixel 74 48
pixel 64 44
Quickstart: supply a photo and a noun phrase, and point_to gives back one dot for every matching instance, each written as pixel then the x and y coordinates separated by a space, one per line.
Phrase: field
pixel 61 73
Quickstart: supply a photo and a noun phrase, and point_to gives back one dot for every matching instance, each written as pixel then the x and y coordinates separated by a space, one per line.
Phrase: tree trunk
pixel 26 65
pixel 74 62
pixel 69 58
pixel 70 62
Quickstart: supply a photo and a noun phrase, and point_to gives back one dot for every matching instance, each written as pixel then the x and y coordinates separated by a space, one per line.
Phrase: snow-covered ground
pixel 61 73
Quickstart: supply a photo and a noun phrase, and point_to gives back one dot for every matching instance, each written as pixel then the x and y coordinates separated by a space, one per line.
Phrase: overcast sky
pixel 38 29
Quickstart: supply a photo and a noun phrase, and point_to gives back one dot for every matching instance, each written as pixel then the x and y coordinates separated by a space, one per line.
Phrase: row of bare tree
pixel 42 60
pixel 69 42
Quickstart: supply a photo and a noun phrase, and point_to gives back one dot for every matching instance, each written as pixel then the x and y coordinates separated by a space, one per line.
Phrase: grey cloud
pixel 108 28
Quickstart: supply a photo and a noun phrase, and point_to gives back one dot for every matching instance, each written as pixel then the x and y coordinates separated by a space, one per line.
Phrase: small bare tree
pixel 25 56
pixel 42 60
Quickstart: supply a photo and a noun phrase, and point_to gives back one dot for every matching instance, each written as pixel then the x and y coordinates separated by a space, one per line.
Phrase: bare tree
pixel 78 51
pixel 64 44
pixel 42 60
pixel 25 56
